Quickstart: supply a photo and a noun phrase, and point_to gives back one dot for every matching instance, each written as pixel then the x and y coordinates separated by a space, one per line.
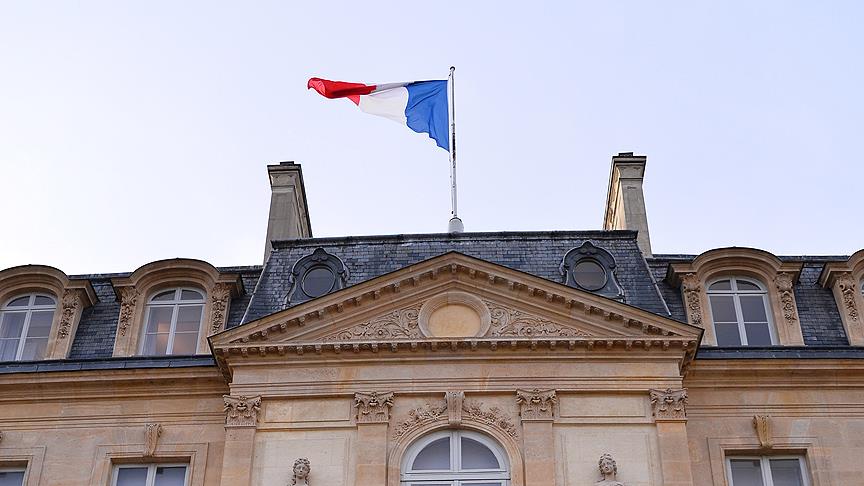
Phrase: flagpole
pixel 455 225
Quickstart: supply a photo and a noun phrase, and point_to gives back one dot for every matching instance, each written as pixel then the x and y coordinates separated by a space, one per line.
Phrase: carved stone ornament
pixel 507 322
pixel 302 468
pixel 762 424
pixel 399 324
pixel 373 407
pixel 784 284
pixel 454 407
pixel 128 298
pixel 470 411
pixel 241 411
pixel 419 417
pixel 693 297
pixel 846 285
pixel 151 438
pixel 219 295
pixel 494 416
pixel 608 471
pixel 669 404
pixel 536 404
pixel 70 303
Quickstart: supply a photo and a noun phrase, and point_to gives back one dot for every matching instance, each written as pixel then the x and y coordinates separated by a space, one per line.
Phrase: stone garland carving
pixel 420 416
pixel 669 404
pixel 219 295
pixel 783 281
pixel 151 438
pixel 608 471
pixel 511 322
pixel 302 468
pixel 536 404
pixel 692 296
pixel 128 298
pixel 762 424
pixel 69 305
pixel 494 417
pixel 373 407
pixel 399 324
pixel 427 414
pixel 241 411
pixel 846 286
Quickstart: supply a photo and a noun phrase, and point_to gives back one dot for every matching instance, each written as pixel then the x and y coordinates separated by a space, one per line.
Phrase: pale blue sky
pixel 134 131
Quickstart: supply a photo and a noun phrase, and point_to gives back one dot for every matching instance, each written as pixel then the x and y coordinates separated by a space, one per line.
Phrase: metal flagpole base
pixel 455 226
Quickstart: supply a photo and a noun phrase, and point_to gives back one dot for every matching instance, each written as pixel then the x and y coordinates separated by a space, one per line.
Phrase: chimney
pixel 625 203
pixel 289 216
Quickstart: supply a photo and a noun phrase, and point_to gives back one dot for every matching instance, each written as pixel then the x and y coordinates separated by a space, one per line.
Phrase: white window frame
pixel 765 467
pixel 175 304
pixel 29 309
pixel 736 294
pixel 455 476
pixel 151 471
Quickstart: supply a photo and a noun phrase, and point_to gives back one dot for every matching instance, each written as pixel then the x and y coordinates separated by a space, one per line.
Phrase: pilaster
pixel 537 411
pixel 373 419
pixel 669 408
pixel 241 421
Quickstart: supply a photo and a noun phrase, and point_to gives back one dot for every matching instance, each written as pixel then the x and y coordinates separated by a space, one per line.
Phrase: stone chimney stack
pixel 625 203
pixel 289 216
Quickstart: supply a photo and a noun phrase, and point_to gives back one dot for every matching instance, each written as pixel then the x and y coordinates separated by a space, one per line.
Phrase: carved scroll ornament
pixel 784 284
pixel 70 303
pixel 669 404
pixel 536 404
pixel 151 438
pixel 399 324
pixel 473 411
pixel 762 424
pixel 219 295
pixel 128 298
pixel 241 411
pixel 693 297
pixel 847 288
pixel 419 417
pixel 373 407
pixel 493 416
pixel 507 322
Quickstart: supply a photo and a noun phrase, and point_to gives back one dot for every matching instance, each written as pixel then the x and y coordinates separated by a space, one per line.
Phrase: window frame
pixel 175 304
pixel 21 469
pixel 765 467
pixel 736 294
pixel 455 476
pixel 28 310
pixel 151 471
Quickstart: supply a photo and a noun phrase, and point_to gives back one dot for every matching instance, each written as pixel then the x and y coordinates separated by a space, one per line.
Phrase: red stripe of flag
pixel 340 89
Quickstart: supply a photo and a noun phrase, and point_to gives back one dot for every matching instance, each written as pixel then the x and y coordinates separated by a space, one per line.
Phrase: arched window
pixel 740 312
pixel 25 324
pixel 173 320
pixel 455 458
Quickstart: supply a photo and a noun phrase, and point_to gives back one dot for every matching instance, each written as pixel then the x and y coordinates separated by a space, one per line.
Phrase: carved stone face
pixel 607 465
pixel 301 470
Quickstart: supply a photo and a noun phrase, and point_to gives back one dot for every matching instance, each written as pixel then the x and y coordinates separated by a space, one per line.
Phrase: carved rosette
pixel 847 287
pixel 69 305
pixel 128 298
pixel 219 295
pixel 762 424
pixel 470 411
pixel 536 404
pixel 669 404
pixel 784 284
pixel 507 322
pixel 693 297
pixel 399 324
pixel 151 438
pixel 373 407
pixel 241 411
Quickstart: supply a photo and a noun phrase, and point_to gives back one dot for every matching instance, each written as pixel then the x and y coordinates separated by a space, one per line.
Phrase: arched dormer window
pixel 740 312
pixel 591 269
pixel 314 276
pixel 455 458
pixel 25 326
pixel 173 322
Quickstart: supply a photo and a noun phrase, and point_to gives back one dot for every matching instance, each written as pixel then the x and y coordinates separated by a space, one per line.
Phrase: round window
pixel 589 275
pixel 318 281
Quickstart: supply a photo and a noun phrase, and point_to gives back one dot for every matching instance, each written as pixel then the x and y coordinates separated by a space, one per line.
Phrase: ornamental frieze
pixel 241 411
pixel 493 416
pixel 373 407
pixel 470 411
pixel 399 324
pixel 536 404
pixel 507 322
pixel 669 404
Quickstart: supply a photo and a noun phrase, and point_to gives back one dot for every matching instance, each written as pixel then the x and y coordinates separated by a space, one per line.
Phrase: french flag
pixel 422 105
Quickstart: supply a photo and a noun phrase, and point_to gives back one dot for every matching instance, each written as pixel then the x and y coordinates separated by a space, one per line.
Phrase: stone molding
pixel 669 404
pixel 242 411
pixel 693 298
pixel 536 404
pixel 70 306
pixel 373 407
pixel 398 324
pixel 151 438
pixel 128 301
pixel 763 426
pixel 459 298
pixel 784 282
pixel 469 411
pixel 220 294
pixel 509 322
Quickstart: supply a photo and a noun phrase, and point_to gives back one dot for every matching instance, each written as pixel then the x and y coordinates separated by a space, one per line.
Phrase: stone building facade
pixel 563 358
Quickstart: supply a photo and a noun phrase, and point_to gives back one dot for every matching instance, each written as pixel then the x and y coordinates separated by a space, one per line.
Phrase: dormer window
pixel 25 324
pixel 173 320
pixel 591 269
pixel 740 313
pixel 314 276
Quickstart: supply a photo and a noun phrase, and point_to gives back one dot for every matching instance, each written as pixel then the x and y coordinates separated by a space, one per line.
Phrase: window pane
pixel 12 324
pixel 189 318
pixel 589 275
pixel 745 285
pixel 8 348
pixel 160 319
pixel 753 308
pixel 758 334
pixel 746 472
pixel 786 472
pixel 318 281
pixel 155 344
pixel 20 302
pixel 163 296
pixel 477 456
pixel 191 295
pixel 434 457
pixel 12 478
pixel 170 476
pixel 185 343
pixel 727 334
pixel 721 285
pixel 40 324
pixel 723 308
pixel 132 476
pixel 34 348
pixel 43 300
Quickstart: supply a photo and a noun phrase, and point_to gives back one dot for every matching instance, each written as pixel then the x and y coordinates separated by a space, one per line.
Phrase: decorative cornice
pixel 399 324
pixel 669 404
pixel 846 285
pixel 241 411
pixel 507 322
pixel 69 305
pixel 373 407
pixel 784 282
pixel 693 297
pixel 220 293
pixel 128 298
pixel 762 424
pixel 151 438
pixel 536 404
